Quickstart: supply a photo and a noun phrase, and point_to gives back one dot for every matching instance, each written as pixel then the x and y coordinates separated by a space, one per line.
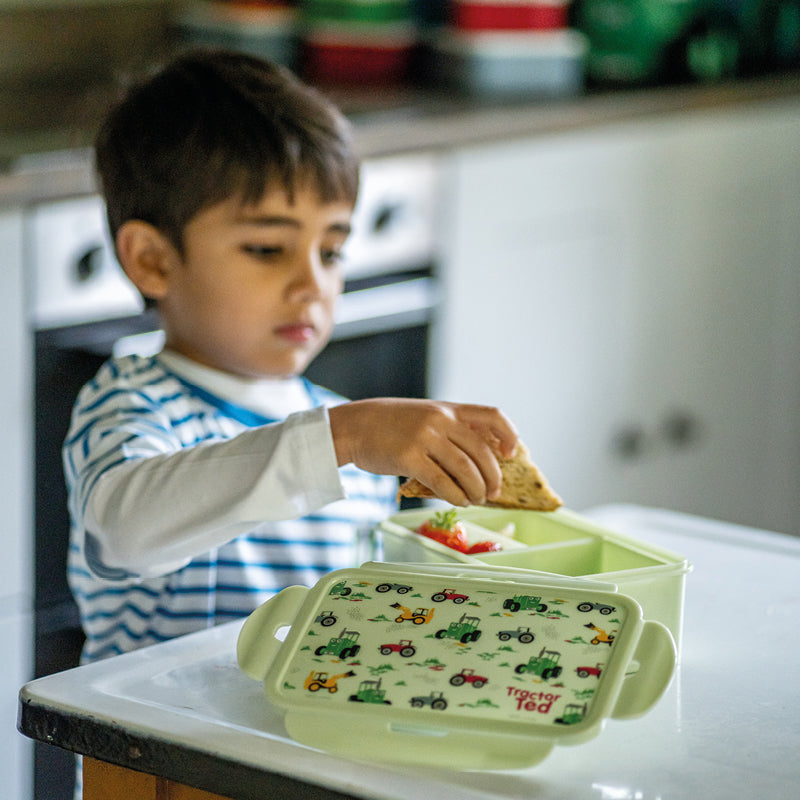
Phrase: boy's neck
pixel 270 396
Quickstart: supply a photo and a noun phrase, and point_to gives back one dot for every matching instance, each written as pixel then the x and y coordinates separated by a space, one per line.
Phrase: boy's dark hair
pixel 212 125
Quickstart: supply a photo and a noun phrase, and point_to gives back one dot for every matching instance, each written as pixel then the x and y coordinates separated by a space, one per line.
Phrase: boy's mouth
pixel 296 334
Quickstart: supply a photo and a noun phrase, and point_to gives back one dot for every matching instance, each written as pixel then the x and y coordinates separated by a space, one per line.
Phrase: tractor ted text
pixel 532 701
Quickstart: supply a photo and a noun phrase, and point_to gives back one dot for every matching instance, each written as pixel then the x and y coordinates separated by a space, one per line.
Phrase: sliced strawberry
pixel 484 547
pixel 445 529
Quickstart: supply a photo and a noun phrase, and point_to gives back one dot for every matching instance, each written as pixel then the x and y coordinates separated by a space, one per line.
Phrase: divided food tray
pixel 560 542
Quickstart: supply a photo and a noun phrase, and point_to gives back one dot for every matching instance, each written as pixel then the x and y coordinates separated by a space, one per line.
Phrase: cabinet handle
pixel 385 217
pixel 89 264
pixel 681 429
pixel 629 442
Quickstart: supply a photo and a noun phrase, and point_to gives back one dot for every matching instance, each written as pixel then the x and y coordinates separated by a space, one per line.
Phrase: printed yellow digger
pixel 602 637
pixel 418 616
pixel 321 680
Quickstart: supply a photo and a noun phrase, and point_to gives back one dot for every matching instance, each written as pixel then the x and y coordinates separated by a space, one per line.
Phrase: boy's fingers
pixel 469 463
pixel 483 455
pixel 493 427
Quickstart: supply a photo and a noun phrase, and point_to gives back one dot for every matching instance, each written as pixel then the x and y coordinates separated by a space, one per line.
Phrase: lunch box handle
pixel 656 655
pixel 258 642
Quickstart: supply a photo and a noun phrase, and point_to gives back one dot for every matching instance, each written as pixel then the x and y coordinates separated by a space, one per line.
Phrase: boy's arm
pixel 152 515
pixel 448 447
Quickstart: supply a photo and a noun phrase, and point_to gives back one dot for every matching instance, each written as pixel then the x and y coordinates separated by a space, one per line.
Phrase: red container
pixel 510 15
pixel 342 60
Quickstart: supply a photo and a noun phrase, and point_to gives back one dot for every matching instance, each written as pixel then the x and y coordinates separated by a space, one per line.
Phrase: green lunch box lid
pixel 459 666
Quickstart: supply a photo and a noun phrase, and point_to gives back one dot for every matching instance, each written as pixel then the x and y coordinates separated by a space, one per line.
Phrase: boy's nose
pixel 307 278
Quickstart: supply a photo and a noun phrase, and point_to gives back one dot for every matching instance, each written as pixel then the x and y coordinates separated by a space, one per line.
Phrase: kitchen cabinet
pixel 104 781
pixel 629 294
pixel 16 617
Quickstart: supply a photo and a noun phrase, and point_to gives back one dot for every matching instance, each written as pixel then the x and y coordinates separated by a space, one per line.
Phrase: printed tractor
pixel 370 692
pixel 602 637
pixel 468 676
pixel 404 647
pixel 601 607
pixel 524 635
pixel 525 602
pixel 320 680
pixel 585 672
pixel 419 616
pixel 434 700
pixel 573 713
pixel 449 594
pixel 465 630
pixel 400 588
pixel 326 619
pixel 545 665
pixel 345 645
pixel 340 588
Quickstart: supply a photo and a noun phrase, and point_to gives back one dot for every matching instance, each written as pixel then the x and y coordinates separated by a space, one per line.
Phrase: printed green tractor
pixel 340 588
pixel 525 602
pixel 573 713
pixel 465 630
pixel 345 645
pixel 545 665
pixel 370 692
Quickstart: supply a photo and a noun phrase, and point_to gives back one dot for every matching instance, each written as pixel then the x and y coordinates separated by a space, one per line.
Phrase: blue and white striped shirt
pixel 189 510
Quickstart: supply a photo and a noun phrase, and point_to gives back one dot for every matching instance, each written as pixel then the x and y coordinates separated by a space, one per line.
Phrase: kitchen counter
pixel 401 121
pixel 725 728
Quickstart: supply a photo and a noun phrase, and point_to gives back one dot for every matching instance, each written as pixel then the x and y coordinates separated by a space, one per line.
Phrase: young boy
pixel 210 476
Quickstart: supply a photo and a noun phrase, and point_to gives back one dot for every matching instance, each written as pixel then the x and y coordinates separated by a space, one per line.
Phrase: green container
pixel 642 41
pixel 357 11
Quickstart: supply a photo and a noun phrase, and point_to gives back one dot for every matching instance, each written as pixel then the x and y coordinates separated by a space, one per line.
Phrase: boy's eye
pixel 262 250
pixel 331 257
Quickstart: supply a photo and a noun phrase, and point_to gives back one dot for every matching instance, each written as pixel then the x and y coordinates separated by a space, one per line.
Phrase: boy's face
pixel 255 291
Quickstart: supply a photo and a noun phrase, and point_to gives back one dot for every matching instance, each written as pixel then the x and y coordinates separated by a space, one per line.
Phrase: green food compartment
pixel 560 542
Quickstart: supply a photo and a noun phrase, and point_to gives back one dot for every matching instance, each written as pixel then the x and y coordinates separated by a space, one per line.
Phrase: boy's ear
pixel 146 256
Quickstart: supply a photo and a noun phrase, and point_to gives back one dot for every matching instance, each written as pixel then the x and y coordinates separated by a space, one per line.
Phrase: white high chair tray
pixel 725 728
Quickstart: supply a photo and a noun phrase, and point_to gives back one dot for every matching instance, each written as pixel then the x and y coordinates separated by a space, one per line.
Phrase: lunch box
pixel 463 666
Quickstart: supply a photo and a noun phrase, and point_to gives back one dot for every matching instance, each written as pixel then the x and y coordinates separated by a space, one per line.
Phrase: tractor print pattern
pixel 481 649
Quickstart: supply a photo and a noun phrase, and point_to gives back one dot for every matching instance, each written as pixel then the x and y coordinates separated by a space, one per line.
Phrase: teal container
pixel 265 32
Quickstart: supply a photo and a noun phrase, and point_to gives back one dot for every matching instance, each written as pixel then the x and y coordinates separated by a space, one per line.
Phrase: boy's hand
pixel 448 447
